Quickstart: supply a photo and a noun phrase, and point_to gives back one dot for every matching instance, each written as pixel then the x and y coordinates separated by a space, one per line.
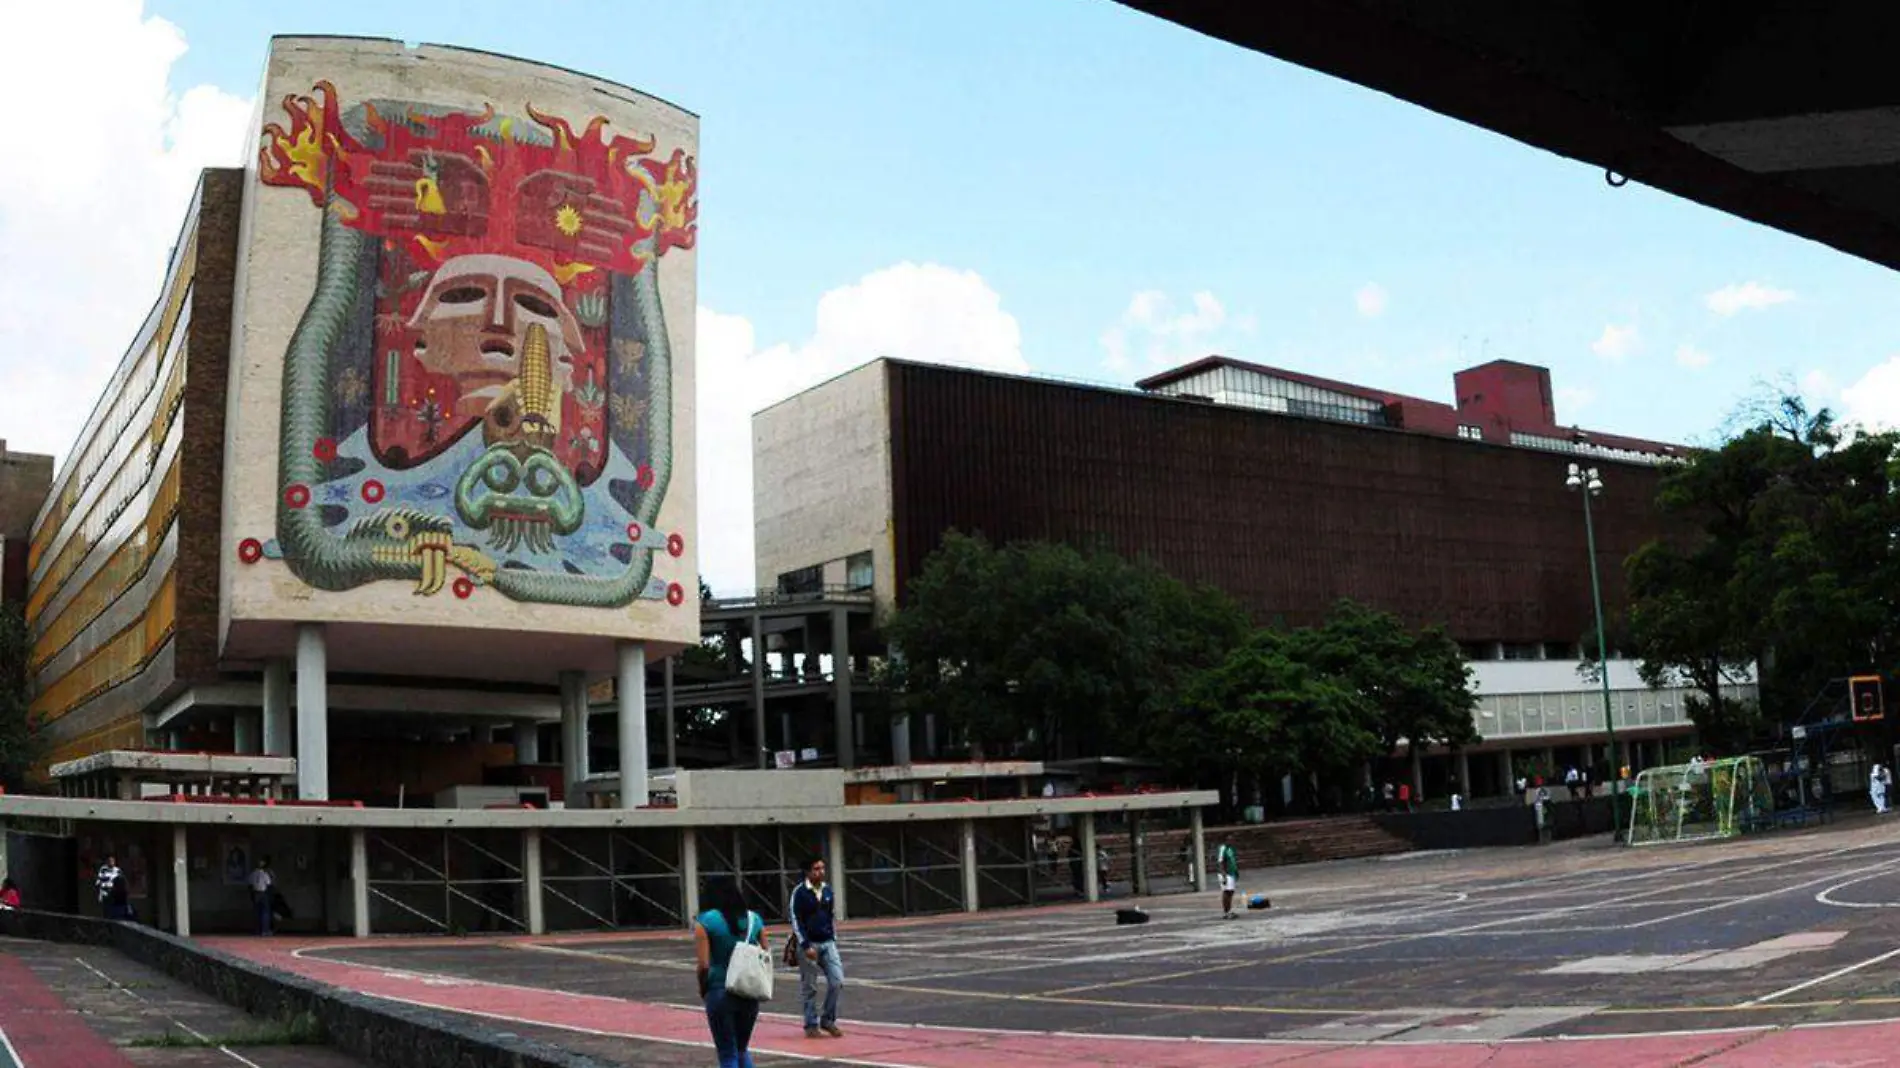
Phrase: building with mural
pixel 408 430
pixel 1287 490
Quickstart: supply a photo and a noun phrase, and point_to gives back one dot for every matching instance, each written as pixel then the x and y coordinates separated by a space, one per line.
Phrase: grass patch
pixel 300 1030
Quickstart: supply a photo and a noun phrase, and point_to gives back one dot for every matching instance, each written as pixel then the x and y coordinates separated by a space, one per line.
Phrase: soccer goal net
pixel 1698 800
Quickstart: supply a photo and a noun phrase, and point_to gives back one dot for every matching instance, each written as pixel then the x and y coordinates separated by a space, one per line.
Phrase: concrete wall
pixel 821 479
pixel 759 789
pixel 25 478
pixel 421 467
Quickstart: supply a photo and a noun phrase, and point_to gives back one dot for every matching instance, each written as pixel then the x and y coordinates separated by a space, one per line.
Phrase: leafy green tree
pixel 20 742
pixel 1043 648
pixel 1417 681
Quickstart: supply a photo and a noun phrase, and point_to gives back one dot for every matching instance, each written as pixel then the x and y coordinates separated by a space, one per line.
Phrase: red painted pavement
pixel 44 1031
pixel 902 1046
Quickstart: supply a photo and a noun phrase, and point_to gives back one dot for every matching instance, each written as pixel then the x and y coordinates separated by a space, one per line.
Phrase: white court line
pixel 1875 868
pixel 1826 897
pixel 1829 977
pixel 182 1026
pixel 13 1055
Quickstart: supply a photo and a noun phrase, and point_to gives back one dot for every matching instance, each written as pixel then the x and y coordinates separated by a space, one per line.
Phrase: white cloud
pixel 86 220
pixel 1745 296
pixel 926 313
pixel 1164 336
pixel 1573 399
pixel 1874 399
pixel 1693 358
pixel 1616 342
pixel 1819 386
pixel 1370 300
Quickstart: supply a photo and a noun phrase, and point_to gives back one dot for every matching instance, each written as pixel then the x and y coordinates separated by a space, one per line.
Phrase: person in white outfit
pixel 1877 787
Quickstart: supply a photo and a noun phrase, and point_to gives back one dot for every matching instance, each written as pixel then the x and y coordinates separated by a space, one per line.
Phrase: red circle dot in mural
pixel 372 491
pixel 635 532
pixel 250 550
pixel 645 477
pixel 675 596
pixel 296 495
pixel 675 545
pixel 324 449
pixel 464 586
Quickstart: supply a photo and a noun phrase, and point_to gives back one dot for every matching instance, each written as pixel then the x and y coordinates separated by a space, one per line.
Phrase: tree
pixel 1784 559
pixel 1417 681
pixel 20 742
pixel 1043 648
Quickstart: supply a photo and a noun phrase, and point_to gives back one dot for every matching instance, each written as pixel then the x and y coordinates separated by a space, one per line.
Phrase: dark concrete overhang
pixel 1786 113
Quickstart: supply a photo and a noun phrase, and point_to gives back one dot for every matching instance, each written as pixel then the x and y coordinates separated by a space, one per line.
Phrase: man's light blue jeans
pixel 833 967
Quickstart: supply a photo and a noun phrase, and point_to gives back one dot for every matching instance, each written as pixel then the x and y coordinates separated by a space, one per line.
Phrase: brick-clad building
pixel 25 478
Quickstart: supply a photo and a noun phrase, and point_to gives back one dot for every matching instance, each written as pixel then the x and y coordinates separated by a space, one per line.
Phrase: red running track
pixel 43 1031
pixel 901 1046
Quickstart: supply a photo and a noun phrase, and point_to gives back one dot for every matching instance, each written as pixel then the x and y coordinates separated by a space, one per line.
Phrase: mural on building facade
pixel 480 391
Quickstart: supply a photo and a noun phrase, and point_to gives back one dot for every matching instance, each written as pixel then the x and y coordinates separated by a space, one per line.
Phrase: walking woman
pixel 723 925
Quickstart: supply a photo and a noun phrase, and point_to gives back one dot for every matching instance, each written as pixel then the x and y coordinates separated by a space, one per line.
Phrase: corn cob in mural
pixel 540 407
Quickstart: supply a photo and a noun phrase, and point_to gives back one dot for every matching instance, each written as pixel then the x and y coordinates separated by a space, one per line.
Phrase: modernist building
pixel 25 478
pixel 1286 490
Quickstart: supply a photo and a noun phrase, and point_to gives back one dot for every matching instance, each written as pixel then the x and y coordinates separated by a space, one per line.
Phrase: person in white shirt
pixel 261 883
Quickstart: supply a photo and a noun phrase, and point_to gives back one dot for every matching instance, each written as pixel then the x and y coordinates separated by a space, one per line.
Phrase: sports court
pixel 1780 949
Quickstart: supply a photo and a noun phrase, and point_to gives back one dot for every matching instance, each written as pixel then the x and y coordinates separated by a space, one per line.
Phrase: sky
pixel 1065 187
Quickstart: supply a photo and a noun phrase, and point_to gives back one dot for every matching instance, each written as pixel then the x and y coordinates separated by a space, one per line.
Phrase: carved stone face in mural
pixel 473 325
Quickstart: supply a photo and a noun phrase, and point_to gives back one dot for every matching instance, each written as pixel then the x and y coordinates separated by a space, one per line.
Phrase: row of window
pixel 117 661
pixel 125 567
pixel 126 733
pixel 129 394
pixel 1470 433
pixel 858 575
pixel 1520 650
pixel 1585 448
pixel 133 475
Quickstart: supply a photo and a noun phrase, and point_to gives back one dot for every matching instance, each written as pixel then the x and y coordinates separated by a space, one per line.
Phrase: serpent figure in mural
pixel 481 384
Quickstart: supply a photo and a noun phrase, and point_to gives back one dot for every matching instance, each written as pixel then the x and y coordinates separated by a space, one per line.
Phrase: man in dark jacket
pixel 815 927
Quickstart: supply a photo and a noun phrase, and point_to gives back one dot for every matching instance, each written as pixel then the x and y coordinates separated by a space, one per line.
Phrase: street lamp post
pixel 1585 479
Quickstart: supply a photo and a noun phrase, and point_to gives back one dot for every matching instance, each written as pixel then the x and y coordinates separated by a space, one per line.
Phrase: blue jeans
pixel 731 1020
pixel 833 967
pixel 260 904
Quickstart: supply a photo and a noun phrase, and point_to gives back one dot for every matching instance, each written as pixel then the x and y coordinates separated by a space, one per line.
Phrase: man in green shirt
pixel 1227 862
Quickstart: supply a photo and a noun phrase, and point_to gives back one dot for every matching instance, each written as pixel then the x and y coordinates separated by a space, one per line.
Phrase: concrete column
pixel 632 691
pixel 181 883
pixel 842 721
pixel 689 873
pixel 834 867
pixel 574 749
pixel 276 713
pixel 672 730
pixel 1197 837
pixel 531 880
pixel 759 740
pixel 1464 773
pixel 313 714
pixel 900 739
pixel 1138 858
pixel 244 733
pixel 1507 779
pixel 970 889
pixel 527 742
pixel 785 738
pixel 359 881
pixel 1091 881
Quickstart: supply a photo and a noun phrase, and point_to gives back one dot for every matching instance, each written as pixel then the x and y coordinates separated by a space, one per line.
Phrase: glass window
pixel 857 571
pixel 804 580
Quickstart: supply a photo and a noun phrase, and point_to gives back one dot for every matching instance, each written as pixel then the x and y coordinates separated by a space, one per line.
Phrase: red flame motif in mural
pixel 498 245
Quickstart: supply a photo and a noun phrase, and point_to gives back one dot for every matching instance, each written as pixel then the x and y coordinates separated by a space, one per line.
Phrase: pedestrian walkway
pixel 38 1030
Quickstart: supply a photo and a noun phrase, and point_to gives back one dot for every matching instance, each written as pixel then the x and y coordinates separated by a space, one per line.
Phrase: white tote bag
pixel 749 969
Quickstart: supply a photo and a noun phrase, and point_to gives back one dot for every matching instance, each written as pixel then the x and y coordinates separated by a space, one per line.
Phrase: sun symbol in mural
pixel 567 220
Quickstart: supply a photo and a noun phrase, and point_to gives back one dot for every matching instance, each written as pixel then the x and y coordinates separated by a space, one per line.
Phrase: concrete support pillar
pixel 785 737
pixel 1507 775
pixel 181 883
pixel 689 873
pixel 1464 773
pixel 1418 773
pixel 1138 857
pixel 672 729
pixel 276 713
pixel 759 740
pixel 835 869
pixel 531 881
pixel 632 691
pixel 1091 879
pixel 359 882
pixel 313 714
pixel 1197 838
pixel 968 853
pixel 245 727
pixel 574 736
pixel 842 721
pixel 900 739
pixel 527 742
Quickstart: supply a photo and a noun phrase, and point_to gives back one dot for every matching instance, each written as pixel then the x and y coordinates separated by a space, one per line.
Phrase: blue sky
pixel 1074 153
pixel 1066 176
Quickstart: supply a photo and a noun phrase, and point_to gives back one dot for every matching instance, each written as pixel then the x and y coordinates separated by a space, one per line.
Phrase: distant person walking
pixel 1227 862
pixel 1877 783
pixel 107 882
pixel 815 926
pixel 1405 796
pixel 9 895
pixel 716 932
pixel 1573 779
pixel 262 882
